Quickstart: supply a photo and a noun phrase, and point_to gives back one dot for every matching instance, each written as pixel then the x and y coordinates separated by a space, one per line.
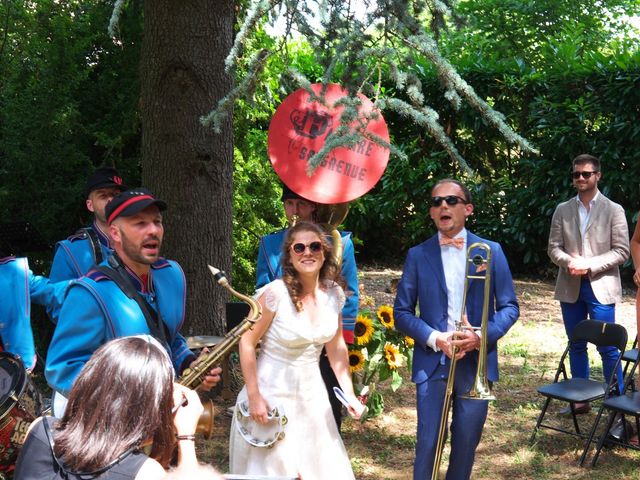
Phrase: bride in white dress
pixel 300 315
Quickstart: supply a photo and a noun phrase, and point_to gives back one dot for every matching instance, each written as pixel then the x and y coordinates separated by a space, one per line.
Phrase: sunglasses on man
pixel 450 199
pixel 300 248
pixel 585 175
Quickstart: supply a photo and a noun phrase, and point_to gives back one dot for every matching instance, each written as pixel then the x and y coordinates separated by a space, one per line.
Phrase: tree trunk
pixel 190 167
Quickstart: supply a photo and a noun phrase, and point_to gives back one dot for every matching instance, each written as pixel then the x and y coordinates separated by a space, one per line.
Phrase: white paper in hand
pixel 358 407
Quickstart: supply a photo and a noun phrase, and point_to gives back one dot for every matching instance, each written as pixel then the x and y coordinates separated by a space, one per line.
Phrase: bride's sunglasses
pixel 299 248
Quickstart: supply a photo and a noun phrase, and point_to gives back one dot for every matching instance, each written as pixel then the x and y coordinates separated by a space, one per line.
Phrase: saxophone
pixel 193 377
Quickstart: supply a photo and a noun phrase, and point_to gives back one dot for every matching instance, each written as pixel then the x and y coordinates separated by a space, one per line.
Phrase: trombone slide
pixel 480 389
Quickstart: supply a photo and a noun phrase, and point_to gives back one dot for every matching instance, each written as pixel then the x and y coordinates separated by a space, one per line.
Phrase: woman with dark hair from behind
pixel 121 402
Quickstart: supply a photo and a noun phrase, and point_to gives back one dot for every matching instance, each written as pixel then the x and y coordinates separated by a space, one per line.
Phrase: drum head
pixel 12 379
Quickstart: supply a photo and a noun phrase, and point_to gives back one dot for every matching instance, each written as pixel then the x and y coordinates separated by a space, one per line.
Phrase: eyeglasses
pixel 299 248
pixel 450 199
pixel 585 175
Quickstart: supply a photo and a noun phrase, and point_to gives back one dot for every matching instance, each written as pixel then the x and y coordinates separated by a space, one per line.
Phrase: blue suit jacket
pixel 423 284
pixel 269 269
pixel 74 256
pixel 95 311
pixel 19 287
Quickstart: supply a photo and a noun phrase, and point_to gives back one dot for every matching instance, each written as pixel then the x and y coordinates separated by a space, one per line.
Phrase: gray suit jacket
pixel 606 245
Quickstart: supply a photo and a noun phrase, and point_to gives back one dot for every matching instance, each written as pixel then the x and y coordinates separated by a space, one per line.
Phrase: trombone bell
pixel 482 263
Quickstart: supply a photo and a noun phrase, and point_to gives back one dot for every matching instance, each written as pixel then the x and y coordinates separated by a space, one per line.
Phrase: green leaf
pixel 375 403
pixel 396 380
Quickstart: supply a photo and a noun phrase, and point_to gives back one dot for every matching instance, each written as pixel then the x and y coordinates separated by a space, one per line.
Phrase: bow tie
pixel 457 242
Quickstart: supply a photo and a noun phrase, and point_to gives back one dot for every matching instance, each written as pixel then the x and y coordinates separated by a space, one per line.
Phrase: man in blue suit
pixel 433 280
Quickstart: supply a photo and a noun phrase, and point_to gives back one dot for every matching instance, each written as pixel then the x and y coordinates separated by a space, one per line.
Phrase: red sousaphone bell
pixel 300 128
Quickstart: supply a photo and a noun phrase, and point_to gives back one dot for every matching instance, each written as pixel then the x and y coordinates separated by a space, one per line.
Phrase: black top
pixel 36 461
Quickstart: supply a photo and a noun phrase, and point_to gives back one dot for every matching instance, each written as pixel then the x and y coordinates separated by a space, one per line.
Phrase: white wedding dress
pixel 289 378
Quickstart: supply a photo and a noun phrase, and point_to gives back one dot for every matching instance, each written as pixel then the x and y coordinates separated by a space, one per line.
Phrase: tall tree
pixel 189 166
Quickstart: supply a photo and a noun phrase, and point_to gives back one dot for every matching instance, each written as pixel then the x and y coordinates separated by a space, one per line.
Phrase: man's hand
pixel 443 342
pixel 465 341
pixel 211 379
pixel 578 266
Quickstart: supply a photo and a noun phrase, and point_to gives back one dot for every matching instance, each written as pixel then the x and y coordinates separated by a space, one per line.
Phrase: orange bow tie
pixel 457 242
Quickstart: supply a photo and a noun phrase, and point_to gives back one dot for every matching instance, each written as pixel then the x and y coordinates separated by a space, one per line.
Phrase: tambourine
pixel 257 435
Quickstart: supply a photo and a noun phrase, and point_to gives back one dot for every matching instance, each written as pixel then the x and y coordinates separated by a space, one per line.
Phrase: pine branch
pixel 114 21
pixel 420 42
pixel 248 85
pixel 257 10
pixel 428 118
pixel 345 48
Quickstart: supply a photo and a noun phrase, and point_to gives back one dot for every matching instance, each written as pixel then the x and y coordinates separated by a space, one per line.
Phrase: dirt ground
pixel 383 447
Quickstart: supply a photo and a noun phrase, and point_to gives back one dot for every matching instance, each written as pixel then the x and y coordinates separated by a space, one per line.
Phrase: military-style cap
pixel 104 177
pixel 131 202
pixel 288 194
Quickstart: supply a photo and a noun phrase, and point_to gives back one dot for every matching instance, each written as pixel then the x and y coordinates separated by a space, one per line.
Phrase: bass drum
pixel 20 404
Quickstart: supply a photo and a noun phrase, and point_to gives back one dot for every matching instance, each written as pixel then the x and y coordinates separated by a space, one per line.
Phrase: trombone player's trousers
pixel 467 420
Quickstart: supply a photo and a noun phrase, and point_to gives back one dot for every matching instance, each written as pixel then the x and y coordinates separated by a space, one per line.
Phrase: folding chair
pixel 629 357
pixel 582 390
pixel 626 404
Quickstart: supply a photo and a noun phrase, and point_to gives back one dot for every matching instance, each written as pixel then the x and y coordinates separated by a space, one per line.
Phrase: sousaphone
pixel 301 126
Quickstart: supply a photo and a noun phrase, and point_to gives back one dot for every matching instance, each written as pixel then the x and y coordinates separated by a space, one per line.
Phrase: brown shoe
pixel 579 409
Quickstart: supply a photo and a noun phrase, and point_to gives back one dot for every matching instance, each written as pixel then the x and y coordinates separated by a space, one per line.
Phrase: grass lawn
pixel 383 447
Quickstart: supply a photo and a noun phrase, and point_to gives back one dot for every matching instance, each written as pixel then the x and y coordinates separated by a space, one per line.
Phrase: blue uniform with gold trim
pixel 96 310
pixel 269 269
pixel 19 287
pixel 75 256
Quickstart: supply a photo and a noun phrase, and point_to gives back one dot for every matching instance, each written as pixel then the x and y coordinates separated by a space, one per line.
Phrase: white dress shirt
pixel 455 274
pixel 585 214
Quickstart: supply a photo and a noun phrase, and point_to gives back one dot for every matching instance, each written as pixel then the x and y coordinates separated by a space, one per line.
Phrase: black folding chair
pixel 629 357
pixel 618 407
pixel 582 390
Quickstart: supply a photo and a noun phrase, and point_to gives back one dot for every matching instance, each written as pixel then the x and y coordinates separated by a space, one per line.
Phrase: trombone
pixel 480 262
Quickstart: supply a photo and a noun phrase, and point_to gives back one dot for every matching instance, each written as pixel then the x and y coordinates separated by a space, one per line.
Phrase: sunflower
pixel 392 353
pixel 409 341
pixel 356 360
pixel 363 330
pixel 385 315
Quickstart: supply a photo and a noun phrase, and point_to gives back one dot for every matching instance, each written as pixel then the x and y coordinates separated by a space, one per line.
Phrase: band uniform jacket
pixel 96 310
pixel 269 269
pixel 423 285
pixel 19 287
pixel 606 245
pixel 74 257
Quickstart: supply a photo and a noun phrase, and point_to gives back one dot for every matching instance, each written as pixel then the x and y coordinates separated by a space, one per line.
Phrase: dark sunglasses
pixel 299 248
pixel 585 175
pixel 450 199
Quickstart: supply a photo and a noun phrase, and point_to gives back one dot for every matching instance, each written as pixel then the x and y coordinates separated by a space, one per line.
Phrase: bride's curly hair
pixel 329 272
